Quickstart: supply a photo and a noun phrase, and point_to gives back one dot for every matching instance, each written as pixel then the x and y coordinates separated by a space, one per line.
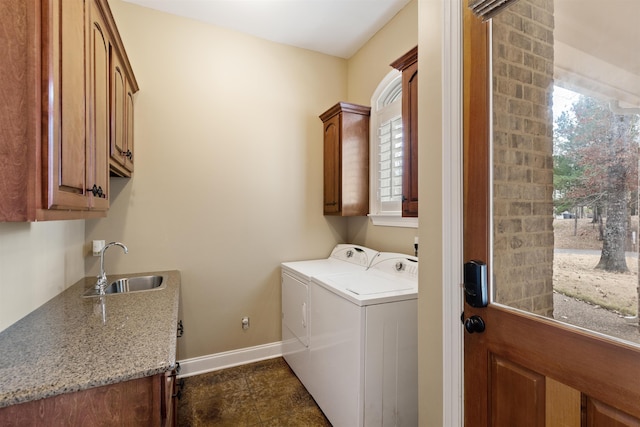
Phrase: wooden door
pixel 527 369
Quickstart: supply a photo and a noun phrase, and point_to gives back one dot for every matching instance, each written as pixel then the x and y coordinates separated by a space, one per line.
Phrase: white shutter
pixel 390 163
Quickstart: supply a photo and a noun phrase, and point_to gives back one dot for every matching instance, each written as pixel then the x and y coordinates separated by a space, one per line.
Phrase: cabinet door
pixel 121 149
pixel 118 96
pixel 129 403
pixel 410 147
pixel 408 65
pixel 66 148
pixel 354 163
pixel 332 166
pixel 98 116
pixel 129 128
pixel 168 407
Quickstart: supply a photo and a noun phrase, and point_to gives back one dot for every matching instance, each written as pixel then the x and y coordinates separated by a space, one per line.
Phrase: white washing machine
pixel 296 276
pixel 363 364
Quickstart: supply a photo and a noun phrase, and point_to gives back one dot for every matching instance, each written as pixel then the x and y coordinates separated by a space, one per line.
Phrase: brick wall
pixel 523 164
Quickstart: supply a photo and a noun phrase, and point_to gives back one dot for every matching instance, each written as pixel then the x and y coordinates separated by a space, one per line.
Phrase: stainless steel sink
pixel 130 284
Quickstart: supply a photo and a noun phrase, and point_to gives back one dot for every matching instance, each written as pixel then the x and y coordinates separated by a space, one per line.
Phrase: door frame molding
pixel 452 212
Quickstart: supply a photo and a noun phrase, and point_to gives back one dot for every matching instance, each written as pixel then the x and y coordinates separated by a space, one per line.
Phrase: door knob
pixel 474 324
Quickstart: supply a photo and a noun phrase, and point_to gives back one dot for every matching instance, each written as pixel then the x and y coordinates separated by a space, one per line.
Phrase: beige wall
pixel 430 295
pixel 228 179
pixel 366 69
pixel 364 74
pixel 228 170
pixel 371 63
pixel 37 261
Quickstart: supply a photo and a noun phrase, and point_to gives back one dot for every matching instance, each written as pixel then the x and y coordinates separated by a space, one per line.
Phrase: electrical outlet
pixel 245 323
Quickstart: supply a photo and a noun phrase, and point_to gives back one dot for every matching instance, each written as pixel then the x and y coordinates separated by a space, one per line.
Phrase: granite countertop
pixel 64 346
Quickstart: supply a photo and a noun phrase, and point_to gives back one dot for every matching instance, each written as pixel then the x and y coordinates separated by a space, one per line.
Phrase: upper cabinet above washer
pixel 57 120
pixel 346 159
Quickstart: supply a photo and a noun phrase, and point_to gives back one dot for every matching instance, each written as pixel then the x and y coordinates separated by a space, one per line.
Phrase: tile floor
pixel 265 393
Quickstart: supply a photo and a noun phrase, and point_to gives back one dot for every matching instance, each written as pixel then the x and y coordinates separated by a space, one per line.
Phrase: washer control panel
pixel 402 265
pixel 354 254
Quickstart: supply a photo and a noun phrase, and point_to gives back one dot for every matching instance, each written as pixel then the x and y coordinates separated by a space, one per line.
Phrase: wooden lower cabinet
pixel 147 401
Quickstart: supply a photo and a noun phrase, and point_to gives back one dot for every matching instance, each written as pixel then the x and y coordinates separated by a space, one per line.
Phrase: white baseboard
pixel 228 359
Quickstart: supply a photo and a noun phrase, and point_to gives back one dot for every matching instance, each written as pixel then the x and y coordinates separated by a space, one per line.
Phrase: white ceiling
pixel 596 41
pixel 596 48
pixel 333 27
pixel 607 29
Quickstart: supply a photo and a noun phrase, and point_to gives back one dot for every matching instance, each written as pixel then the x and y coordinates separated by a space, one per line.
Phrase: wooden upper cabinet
pixel 121 89
pixel 346 159
pixel 56 125
pixel 121 147
pixel 408 65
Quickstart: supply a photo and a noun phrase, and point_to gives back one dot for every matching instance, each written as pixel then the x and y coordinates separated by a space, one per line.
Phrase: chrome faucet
pixel 101 284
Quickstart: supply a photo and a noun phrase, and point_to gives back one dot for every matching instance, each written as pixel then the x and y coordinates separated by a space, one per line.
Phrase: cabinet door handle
pixel 180 329
pixel 97 191
pixel 128 154
pixel 304 314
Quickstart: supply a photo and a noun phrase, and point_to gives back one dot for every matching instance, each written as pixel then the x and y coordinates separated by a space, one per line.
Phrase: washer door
pixel 295 307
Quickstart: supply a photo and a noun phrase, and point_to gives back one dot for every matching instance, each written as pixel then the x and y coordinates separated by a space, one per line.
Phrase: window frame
pixel 390 218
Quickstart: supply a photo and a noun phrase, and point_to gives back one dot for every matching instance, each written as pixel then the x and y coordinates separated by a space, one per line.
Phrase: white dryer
pixel 296 276
pixel 364 344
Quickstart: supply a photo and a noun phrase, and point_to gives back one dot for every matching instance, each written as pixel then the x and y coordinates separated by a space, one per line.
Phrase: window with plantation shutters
pixel 387 154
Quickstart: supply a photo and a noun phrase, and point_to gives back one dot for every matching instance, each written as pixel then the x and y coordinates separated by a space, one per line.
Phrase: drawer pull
pixel 97 191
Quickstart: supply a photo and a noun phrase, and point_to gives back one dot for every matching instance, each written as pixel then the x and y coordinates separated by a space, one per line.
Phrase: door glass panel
pixel 566 131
